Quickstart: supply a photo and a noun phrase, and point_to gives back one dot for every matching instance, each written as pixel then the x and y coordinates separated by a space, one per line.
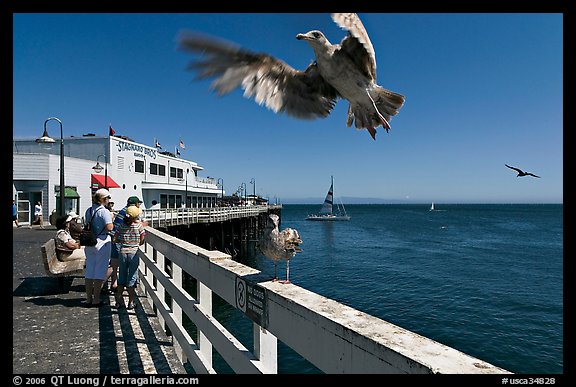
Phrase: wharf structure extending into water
pixel 333 337
pixel 228 229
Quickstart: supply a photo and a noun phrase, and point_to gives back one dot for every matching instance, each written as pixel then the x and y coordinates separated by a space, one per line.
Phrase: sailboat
pixel 432 207
pixel 327 211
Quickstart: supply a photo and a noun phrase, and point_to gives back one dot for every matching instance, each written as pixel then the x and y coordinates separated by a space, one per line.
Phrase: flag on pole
pixel 177 152
pixel 111 131
pixel 182 144
pixel 157 144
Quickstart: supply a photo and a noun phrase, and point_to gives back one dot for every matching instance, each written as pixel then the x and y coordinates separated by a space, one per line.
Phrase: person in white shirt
pixel 38 214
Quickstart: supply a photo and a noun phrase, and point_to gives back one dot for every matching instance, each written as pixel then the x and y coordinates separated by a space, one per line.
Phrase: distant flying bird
pixel 279 246
pixel 521 172
pixel 346 70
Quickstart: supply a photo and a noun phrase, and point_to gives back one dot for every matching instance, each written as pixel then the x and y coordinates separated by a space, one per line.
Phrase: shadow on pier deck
pixel 53 333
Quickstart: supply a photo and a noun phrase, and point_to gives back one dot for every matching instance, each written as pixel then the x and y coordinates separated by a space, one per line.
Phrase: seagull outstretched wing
pixel 516 169
pixel 357 44
pixel 270 81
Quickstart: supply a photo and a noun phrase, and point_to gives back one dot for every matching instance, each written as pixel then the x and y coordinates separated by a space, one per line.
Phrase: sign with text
pixel 253 301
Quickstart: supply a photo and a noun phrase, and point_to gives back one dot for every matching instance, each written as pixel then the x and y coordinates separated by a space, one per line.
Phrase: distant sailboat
pixel 327 210
pixel 432 207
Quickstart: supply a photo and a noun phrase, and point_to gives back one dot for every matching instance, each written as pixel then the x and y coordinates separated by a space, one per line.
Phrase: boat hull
pixel 327 218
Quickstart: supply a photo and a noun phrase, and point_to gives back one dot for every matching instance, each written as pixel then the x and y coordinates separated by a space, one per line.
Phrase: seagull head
pixel 314 38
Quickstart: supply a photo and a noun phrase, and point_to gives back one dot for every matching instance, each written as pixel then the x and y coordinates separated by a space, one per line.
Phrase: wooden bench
pixel 59 269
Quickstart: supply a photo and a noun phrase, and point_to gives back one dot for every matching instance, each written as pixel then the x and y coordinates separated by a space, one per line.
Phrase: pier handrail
pixel 163 217
pixel 334 337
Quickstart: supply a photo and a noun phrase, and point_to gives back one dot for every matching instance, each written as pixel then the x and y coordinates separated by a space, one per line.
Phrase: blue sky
pixel 482 90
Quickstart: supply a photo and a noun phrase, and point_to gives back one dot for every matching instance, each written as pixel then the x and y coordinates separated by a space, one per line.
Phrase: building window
pixel 176 172
pixel 153 169
pixel 162 170
pixel 139 166
pixel 170 201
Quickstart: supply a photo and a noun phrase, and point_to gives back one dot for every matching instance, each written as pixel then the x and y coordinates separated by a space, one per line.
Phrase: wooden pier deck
pixel 54 334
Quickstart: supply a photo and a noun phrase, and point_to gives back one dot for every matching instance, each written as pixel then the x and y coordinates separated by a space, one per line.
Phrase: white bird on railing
pixel 278 246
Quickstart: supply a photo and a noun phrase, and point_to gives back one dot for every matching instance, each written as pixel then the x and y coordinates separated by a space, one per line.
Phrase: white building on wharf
pixel 125 167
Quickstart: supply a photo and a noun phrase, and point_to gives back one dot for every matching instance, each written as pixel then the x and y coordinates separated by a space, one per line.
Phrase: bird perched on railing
pixel 279 246
pixel 346 70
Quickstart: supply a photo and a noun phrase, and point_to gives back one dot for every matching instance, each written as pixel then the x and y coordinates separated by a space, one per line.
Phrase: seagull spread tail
pixel 383 105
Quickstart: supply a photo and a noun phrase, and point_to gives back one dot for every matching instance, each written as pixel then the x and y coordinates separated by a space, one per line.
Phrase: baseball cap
pixel 133 211
pixel 102 192
pixel 134 200
pixel 71 215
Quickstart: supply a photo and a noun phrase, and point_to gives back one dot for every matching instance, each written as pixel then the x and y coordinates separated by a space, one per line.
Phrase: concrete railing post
pixel 148 273
pixel 177 278
pixel 266 348
pixel 160 290
pixel 205 299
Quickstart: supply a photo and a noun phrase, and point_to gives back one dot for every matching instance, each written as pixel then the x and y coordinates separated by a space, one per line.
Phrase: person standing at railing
pixel 98 257
pixel 128 236
pixel 119 220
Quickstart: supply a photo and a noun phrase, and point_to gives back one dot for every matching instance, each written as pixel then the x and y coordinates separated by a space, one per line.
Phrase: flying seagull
pixel 521 172
pixel 279 246
pixel 346 70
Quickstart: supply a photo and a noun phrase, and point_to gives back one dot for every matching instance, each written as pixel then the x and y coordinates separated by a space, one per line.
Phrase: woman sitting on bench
pixel 67 249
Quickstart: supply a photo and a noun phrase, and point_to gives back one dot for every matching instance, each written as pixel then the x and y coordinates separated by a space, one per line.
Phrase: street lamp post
pixel 46 139
pixel 243 188
pixel 186 197
pixel 98 168
pixel 253 182
pixel 221 181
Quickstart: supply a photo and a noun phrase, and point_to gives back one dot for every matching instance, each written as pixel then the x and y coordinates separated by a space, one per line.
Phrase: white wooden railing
pixel 163 217
pixel 332 336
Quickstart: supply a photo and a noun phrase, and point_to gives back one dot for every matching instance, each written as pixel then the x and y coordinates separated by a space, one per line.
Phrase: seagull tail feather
pixel 383 105
pixel 386 102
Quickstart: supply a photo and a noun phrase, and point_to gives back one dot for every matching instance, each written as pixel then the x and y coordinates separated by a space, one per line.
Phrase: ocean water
pixel 485 279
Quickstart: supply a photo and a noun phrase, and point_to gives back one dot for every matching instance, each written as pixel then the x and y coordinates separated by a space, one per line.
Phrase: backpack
pixel 87 236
